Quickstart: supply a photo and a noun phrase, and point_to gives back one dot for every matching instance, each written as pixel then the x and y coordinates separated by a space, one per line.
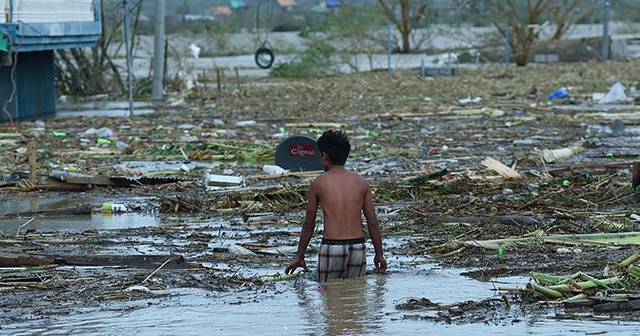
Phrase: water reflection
pixel 346 306
pixel 79 223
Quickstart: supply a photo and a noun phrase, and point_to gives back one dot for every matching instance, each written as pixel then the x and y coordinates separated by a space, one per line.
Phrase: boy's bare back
pixel 342 195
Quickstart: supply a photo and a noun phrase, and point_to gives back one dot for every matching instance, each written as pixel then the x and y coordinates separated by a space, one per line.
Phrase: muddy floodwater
pixel 350 307
pixel 364 306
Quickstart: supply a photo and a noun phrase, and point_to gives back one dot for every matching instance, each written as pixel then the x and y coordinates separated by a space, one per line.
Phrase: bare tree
pixel 411 12
pixel 88 71
pixel 566 13
pixel 523 19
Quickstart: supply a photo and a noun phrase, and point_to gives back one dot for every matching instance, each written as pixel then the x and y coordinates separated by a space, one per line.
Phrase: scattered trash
pixel 240 250
pixel 616 95
pixel 553 155
pixel 560 93
pixel 195 50
pixel 217 182
pixel 565 250
pixel 137 288
pixel 469 100
pixel 39 125
pixel 274 170
pixel 114 207
pixel 245 123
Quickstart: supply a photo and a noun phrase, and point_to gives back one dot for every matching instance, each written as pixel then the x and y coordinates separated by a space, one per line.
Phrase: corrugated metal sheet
pixel 53 24
pixel 34 95
pixel 50 11
pixel 3 11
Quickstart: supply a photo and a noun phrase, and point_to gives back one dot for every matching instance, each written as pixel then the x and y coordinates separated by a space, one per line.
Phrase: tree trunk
pixel 406 44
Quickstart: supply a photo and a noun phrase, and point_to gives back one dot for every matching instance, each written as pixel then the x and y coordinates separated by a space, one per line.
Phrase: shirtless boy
pixel 344 196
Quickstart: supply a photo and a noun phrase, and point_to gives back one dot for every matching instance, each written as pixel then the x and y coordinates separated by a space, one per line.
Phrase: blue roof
pixel 332 3
pixel 237 4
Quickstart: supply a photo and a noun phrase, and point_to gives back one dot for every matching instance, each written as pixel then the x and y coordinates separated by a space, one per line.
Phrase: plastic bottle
pixel 274 170
pixel 114 207
pixel 559 93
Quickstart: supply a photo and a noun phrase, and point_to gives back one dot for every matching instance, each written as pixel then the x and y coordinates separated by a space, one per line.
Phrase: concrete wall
pixel 577 50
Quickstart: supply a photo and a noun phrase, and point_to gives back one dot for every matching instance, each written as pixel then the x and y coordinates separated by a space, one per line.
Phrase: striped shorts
pixel 341 259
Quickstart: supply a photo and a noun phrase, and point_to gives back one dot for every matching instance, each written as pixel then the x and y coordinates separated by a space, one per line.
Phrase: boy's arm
pixel 374 231
pixel 308 227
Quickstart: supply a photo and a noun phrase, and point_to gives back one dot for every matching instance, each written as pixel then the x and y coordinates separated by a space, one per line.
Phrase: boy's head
pixel 335 144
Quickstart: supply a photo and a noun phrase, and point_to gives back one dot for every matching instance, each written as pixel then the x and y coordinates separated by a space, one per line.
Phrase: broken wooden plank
pixel 617 306
pixel 77 178
pixel 80 210
pixel 136 261
pixel 320 125
pixel 23 259
pixel 635 182
pixel 501 169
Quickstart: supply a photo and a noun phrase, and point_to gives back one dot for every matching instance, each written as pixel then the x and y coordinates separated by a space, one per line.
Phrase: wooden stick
pixel 219 78
pixel 31 149
pixel 501 169
pixel 636 175
pixel 27 222
pixel 157 269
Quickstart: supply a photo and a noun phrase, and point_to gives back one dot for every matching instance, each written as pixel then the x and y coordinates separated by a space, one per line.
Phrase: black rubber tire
pixel 264 58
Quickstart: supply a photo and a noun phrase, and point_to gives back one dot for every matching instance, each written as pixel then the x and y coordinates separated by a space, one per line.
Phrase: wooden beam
pixel 31 150
pixel 636 175
pixel 501 169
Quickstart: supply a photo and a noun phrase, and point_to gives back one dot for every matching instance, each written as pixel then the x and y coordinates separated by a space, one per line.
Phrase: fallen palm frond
pixel 539 237
pixel 282 277
pixel 581 289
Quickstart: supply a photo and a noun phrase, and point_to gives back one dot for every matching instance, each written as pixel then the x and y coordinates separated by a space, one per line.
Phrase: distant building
pixel 286 5
pixel 222 10
pixel 237 4
pixel 197 17
pixel 328 6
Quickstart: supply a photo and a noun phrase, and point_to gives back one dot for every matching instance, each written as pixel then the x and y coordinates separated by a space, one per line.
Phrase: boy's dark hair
pixel 336 144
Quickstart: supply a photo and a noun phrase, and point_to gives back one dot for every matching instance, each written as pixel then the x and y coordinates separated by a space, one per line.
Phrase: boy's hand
pixel 381 263
pixel 297 262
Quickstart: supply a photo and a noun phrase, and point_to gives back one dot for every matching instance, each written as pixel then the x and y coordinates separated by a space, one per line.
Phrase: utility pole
pixel 125 22
pixel 605 32
pixel 157 88
pixel 507 47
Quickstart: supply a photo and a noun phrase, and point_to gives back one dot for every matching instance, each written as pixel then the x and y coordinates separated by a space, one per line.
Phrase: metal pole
pixel 158 52
pixel 605 32
pixel 389 48
pixel 125 22
pixel 507 49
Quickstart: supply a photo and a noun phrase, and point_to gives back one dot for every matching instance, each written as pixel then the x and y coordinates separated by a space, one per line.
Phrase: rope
pixel 264 55
pixel 269 19
pixel 14 87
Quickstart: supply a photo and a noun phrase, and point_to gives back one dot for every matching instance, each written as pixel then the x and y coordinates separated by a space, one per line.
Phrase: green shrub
pixel 315 61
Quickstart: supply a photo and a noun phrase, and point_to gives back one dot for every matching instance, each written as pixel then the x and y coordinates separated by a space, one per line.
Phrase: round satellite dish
pixel 298 153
